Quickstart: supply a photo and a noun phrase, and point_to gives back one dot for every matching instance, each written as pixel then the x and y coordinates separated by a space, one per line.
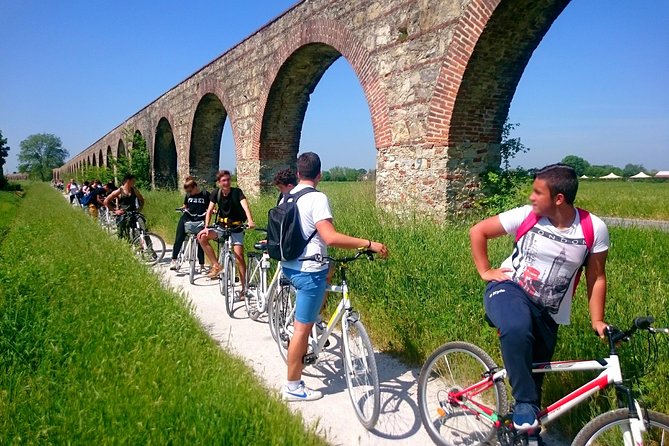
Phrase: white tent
pixel 640 175
pixel 611 176
pixel 662 174
pixel 584 177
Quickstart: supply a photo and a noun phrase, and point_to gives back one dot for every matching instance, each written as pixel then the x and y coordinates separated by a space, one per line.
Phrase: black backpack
pixel 284 232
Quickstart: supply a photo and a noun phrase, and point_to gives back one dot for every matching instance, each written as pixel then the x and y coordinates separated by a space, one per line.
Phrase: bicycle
pixel 147 246
pixel 259 289
pixel 362 378
pixel 189 248
pixel 226 258
pixel 107 220
pixel 462 397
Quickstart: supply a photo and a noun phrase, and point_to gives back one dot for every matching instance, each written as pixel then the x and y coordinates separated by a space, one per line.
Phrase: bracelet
pixel 369 245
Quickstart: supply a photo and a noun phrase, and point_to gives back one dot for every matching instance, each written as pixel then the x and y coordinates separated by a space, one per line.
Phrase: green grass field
pixel 428 291
pixel 93 350
pixel 635 199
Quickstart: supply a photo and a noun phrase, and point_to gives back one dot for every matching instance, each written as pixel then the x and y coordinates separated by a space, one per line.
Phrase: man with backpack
pixel 530 295
pixel 301 226
pixel 233 211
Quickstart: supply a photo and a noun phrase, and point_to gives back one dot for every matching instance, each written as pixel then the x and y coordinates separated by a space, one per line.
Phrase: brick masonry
pixel 438 76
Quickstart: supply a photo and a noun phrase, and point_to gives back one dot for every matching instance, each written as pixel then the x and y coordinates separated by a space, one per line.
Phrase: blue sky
pixel 595 87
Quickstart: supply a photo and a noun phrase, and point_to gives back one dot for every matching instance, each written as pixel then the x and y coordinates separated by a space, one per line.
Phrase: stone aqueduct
pixel 438 75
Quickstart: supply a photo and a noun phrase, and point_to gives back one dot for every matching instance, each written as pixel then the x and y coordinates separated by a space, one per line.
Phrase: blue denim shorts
pixel 310 292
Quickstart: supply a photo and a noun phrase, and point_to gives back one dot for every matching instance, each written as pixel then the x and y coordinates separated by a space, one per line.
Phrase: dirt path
pixel 399 422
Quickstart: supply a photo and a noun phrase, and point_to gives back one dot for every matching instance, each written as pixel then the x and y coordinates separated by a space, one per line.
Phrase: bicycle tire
pixel 228 279
pixel 363 380
pixel 182 256
pixel 272 301
pixel 283 319
pixel 149 254
pixel 607 429
pixel 458 426
pixel 253 290
pixel 192 245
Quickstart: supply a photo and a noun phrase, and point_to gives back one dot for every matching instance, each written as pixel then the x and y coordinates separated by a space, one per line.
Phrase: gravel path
pixel 662 225
pixel 399 422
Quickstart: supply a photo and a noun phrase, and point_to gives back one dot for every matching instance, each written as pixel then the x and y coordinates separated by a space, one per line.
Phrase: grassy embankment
pixel 428 291
pixel 93 350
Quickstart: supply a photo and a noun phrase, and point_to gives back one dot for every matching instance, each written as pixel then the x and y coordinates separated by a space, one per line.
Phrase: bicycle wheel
pixel 228 279
pixel 253 279
pixel 612 429
pixel 149 247
pixel 284 314
pixel 362 377
pixel 182 256
pixel 452 367
pixel 192 256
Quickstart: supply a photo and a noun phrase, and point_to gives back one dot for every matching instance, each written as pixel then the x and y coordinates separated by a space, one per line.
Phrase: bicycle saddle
pixel 260 246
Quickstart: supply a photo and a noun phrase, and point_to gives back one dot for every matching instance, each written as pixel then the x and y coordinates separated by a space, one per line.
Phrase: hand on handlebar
pixel 600 328
pixel 379 248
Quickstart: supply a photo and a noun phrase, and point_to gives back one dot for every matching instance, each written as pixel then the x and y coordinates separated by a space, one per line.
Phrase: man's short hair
pixel 285 177
pixel 560 179
pixel 128 177
pixel 222 173
pixel 308 165
pixel 190 183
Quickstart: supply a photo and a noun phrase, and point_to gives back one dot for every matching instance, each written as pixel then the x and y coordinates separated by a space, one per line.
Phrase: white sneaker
pixel 173 265
pixel 302 393
pixel 203 269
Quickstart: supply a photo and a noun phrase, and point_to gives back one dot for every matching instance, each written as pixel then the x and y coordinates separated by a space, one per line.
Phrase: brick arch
pixel 164 159
pixel 101 160
pixel 120 149
pixel 110 155
pixel 310 48
pixel 489 51
pixel 211 110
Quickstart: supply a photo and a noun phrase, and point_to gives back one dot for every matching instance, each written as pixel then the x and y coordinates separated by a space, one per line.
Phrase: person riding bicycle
pixel 530 295
pixel 129 199
pixel 196 203
pixel 233 211
pixel 309 277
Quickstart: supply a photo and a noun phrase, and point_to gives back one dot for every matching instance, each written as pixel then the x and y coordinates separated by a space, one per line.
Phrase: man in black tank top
pixel 128 199
pixel 233 210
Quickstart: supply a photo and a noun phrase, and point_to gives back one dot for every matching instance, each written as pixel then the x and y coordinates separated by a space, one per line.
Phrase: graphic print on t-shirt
pixel 543 270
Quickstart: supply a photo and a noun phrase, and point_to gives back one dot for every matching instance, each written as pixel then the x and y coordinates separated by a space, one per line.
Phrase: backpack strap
pixel 530 221
pixel 586 226
pixel 297 196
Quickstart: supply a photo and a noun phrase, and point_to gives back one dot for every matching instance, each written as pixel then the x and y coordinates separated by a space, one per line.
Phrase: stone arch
pixel 109 157
pixel 120 149
pixel 101 162
pixel 205 139
pixel 95 164
pixel 165 155
pixel 297 67
pixel 489 51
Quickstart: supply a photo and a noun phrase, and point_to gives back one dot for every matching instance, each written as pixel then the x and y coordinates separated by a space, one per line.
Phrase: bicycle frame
pixel 265 289
pixel 611 375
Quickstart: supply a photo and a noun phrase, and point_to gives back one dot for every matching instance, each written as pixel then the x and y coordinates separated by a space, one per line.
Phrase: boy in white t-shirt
pixel 530 295
pixel 308 277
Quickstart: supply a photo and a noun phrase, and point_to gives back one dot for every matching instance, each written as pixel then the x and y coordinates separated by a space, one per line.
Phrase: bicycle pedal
pixel 309 359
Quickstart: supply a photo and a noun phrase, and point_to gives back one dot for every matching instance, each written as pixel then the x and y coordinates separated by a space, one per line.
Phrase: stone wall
pixel 438 76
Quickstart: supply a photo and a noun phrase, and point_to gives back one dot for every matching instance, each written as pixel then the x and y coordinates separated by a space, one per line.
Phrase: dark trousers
pixel 527 334
pixel 179 239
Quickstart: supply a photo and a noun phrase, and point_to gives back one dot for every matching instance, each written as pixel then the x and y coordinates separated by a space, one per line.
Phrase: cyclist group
pixel 527 298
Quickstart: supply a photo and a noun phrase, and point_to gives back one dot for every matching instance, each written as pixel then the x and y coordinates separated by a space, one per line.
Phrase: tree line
pixel 583 167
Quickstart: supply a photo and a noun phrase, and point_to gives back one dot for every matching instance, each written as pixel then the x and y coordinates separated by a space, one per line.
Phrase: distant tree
pixel 510 147
pixel 140 165
pixel 601 170
pixel 4 151
pixel 326 176
pixel 579 164
pixel 633 169
pixel 40 154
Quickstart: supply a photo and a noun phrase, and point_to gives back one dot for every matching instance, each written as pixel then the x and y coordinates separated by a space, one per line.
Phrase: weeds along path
pixel 399 422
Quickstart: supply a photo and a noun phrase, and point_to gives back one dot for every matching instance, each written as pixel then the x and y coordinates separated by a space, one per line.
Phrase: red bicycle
pixel 463 401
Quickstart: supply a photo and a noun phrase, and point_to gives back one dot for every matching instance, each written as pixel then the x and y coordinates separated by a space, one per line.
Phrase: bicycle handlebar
pixel 186 211
pixel 231 228
pixel 325 259
pixel 615 335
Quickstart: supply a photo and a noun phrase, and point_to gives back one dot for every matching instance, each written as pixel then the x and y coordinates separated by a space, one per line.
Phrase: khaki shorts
pixel 237 238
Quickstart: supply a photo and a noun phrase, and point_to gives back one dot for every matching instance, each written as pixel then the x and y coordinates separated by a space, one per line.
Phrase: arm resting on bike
pixel 113 196
pixel 595 275
pixel 335 239
pixel 479 235
pixel 247 211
